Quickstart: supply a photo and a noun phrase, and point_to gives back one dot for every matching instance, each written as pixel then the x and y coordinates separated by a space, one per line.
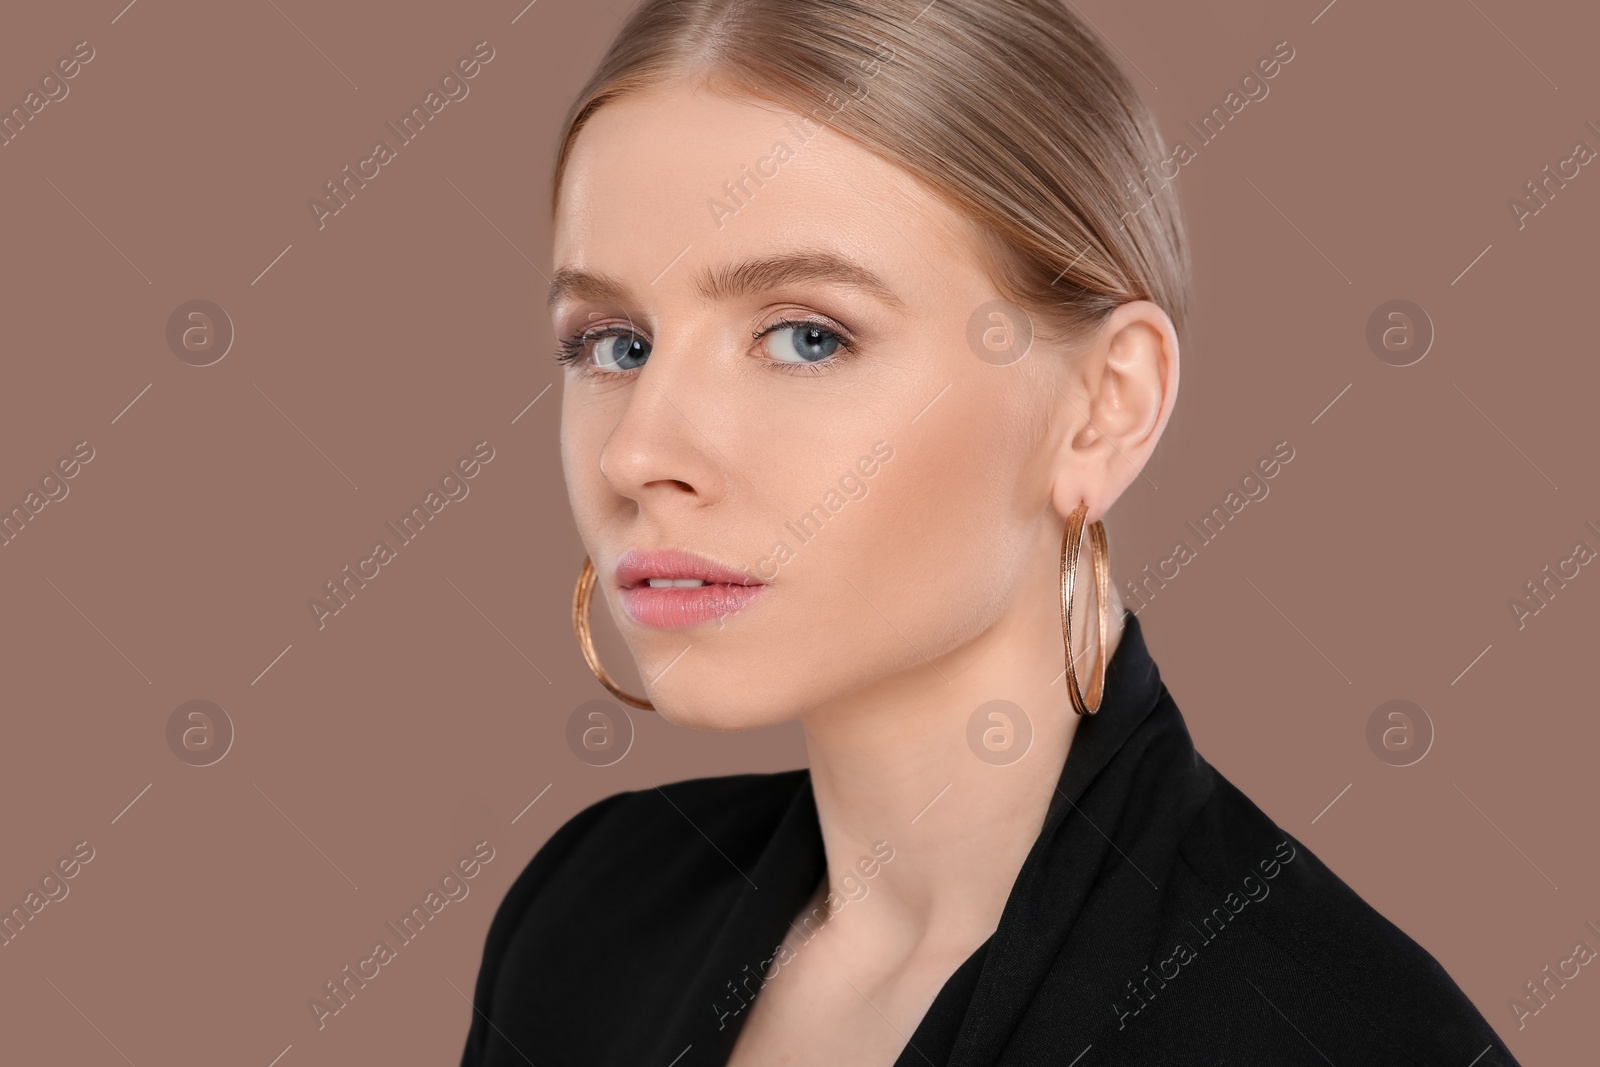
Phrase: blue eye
pixel 629 355
pixel 609 355
pixel 802 342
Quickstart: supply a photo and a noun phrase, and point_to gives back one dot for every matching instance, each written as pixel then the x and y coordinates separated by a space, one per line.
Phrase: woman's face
pixel 785 385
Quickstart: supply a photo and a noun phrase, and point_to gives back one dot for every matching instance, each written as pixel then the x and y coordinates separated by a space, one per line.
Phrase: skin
pixel 935 592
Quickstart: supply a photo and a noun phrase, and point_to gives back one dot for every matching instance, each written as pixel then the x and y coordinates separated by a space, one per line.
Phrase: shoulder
pixel 1300 922
pixel 657 836
pixel 644 831
pixel 643 853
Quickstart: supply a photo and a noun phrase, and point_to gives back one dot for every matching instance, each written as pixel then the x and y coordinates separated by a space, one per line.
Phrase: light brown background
pixel 432 711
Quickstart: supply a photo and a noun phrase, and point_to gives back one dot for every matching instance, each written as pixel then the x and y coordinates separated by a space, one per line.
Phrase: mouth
pixel 676 568
pixel 674 588
pixel 676 583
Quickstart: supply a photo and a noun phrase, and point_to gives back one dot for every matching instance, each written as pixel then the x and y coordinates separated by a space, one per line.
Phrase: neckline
pixel 793 862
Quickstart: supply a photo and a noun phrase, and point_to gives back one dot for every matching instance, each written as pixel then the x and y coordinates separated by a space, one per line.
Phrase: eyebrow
pixel 742 279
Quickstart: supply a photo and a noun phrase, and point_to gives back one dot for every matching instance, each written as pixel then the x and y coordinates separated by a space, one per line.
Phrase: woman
pixel 866 322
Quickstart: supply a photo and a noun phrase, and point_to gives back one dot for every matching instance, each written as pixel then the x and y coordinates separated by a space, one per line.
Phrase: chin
pixel 724 708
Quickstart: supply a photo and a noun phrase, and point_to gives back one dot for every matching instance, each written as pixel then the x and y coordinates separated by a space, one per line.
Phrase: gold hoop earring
pixel 1071 540
pixel 580 626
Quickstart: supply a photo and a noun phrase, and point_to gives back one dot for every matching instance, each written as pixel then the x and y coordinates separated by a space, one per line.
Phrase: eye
pixel 621 351
pixel 800 342
pixel 616 349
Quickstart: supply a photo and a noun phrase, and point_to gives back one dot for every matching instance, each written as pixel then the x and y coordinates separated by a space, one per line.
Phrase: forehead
pixel 659 186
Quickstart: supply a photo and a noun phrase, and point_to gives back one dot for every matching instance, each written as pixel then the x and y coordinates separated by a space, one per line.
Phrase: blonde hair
pixel 1012 111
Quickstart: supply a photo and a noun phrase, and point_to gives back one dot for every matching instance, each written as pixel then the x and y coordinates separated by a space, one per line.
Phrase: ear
pixel 1114 398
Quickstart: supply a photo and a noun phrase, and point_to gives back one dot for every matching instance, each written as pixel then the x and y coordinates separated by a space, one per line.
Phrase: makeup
pixel 667 589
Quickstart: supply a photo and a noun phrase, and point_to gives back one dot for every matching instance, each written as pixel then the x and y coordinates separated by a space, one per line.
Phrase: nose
pixel 660 452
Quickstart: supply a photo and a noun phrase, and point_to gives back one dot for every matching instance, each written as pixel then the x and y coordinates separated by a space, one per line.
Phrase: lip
pixel 726 590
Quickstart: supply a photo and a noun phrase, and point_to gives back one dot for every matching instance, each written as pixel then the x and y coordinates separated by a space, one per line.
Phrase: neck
pixel 897 766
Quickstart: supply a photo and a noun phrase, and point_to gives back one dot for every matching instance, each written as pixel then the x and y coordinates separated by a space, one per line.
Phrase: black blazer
pixel 1159 918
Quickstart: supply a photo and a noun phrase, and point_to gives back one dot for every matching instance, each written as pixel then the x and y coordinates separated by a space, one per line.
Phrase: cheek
pixel 573 467
pixel 582 436
pixel 935 543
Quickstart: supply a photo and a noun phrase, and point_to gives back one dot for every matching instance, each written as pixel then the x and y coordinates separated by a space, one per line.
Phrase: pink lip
pixel 726 590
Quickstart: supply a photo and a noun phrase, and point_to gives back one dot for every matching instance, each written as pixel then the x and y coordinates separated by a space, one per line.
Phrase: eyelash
pixel 570 351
